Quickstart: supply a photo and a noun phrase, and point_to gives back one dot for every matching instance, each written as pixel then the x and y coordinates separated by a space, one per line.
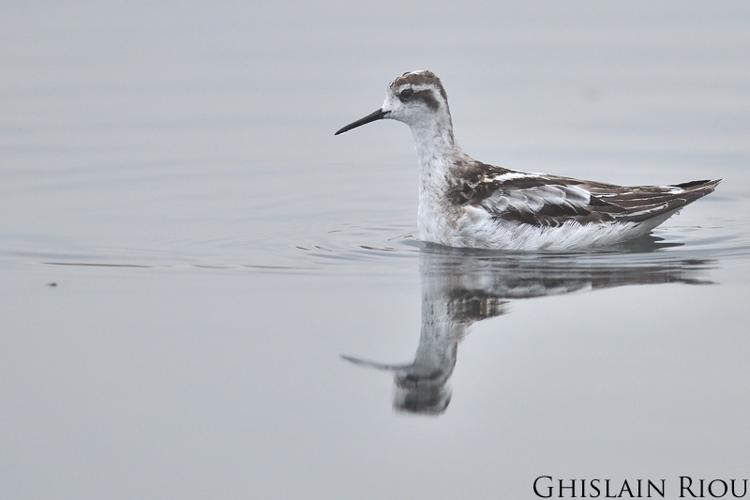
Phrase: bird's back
pixel 496 207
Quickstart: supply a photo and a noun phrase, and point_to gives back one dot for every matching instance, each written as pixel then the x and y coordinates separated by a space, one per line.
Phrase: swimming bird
pixel 466 203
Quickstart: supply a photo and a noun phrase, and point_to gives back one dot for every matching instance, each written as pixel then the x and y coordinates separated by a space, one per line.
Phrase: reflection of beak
pixel 378 114
pixel 375 364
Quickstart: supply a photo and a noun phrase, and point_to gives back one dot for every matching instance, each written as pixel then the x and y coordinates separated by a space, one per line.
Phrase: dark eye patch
pixel 405 94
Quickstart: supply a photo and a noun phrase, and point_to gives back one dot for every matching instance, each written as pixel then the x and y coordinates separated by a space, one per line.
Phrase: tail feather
pixel 704 184
pixel 660 203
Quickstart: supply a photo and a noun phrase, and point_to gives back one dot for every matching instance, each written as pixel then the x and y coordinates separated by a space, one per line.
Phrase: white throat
pixel 436 153
pixel 435 146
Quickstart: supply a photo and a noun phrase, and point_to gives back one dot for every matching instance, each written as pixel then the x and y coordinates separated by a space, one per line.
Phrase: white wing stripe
pixel 531 200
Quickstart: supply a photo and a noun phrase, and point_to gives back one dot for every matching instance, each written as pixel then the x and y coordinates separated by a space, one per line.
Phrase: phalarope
pixel 466 203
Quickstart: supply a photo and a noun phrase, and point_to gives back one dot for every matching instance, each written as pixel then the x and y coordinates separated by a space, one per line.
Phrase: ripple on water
pixel 378 249
pixel 383 247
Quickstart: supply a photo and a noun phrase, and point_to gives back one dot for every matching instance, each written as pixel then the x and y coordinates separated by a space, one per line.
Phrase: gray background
pixel 171 166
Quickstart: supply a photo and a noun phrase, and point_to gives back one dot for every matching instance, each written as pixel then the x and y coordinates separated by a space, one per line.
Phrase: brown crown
pixel 424 77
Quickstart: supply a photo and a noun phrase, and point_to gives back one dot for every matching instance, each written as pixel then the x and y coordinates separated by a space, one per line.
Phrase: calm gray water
pixel 241 309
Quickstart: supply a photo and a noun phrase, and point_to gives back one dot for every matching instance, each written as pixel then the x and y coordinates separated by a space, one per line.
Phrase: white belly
pixel 475 228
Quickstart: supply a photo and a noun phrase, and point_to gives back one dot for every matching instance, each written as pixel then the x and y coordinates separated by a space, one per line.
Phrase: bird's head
pixel 416 98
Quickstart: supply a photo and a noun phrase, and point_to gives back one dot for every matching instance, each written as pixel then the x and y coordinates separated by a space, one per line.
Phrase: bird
pixel 466 203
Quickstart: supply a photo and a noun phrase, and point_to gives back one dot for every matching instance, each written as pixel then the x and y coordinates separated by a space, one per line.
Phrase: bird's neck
pixel 433 138
pixel 436 149
pixel 436 153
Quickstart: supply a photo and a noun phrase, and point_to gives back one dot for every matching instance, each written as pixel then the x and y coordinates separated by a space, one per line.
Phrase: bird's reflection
pixel 460 288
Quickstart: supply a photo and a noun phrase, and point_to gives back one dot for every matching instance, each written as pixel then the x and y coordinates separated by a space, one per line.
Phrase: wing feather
pixel 544 200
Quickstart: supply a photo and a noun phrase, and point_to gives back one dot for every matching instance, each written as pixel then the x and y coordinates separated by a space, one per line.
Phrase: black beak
pixel 378 114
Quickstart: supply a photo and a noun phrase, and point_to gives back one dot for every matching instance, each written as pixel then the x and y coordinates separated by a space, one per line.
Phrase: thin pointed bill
pixel 378 114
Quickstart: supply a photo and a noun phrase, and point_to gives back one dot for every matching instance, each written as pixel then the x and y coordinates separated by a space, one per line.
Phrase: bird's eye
pixel 405 94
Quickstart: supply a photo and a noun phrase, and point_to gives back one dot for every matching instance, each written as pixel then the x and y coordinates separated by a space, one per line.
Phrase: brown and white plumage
pixel 548 200
pixel 467 203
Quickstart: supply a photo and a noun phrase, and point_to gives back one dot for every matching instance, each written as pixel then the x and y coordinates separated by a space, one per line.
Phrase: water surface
pixel 206 294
